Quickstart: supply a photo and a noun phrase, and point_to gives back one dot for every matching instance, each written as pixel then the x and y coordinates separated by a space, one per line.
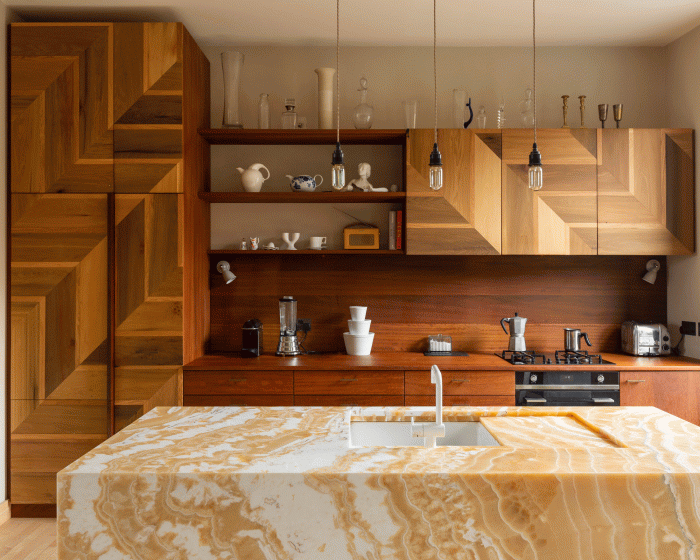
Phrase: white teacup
pixel 357 313
pixel 359 327
pixel 317 243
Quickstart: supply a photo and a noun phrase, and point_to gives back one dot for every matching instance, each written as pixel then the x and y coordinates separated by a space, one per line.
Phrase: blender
pixel 289 343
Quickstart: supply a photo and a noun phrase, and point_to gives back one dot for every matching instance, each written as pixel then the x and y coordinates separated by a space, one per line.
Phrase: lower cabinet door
pixel 461 400
pixel 348 400
pixel 238 400
pixel 636 388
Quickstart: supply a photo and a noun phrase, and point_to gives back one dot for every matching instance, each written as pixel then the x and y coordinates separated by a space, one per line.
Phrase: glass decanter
pixel 527 110
pixel 363 113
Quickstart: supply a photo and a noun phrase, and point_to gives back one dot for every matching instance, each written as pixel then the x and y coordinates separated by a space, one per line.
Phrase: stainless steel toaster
pixel 645 339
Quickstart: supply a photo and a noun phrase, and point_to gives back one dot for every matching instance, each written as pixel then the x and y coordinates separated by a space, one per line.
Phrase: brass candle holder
pixel 582 99
pixel 603 114
pixel 566 109
pixel 617 114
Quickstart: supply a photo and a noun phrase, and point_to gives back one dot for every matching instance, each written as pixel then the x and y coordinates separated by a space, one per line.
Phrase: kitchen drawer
pixel 238 400
pixel 461 400
pixel 348 383
pixel 636 388
pixel 348 400
pixel 462 383
pixel 237 382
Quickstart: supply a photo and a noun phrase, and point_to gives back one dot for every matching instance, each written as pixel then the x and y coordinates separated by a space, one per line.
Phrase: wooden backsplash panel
pixel 409 298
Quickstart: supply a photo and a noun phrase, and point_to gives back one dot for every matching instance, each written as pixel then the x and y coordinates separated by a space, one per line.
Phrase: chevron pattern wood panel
pixel 464 217
pixel 560 219
pixel 646 186
pixel 149 288
pixel 59 334
pixel 148 89
pixel 61 108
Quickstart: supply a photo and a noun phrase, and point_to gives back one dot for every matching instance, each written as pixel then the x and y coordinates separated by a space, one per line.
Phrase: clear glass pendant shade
pixel 534 175
pixel 338 176
pixel 436 177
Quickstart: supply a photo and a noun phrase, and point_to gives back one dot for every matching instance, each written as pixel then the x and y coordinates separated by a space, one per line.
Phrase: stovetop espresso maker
pixel 517 332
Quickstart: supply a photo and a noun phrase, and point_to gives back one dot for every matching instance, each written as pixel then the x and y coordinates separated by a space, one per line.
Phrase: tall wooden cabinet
pixel 105 166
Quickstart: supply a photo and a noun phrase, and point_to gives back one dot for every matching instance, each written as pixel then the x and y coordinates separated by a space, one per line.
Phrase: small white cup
pixel 357 313
pixel 359 327
pixel 317 243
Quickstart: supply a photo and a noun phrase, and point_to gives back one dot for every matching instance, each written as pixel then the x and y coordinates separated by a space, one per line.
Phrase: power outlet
pixel 689 328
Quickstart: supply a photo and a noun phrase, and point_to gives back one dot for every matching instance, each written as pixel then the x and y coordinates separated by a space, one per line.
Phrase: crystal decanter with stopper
pixel 363 113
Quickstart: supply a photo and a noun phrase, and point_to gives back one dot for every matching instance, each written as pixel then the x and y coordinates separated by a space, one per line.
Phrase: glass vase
pixel 363 113
pixel 231 64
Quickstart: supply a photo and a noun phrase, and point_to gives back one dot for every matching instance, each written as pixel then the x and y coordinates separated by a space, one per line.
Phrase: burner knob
pixel 533 378
pixel 601 378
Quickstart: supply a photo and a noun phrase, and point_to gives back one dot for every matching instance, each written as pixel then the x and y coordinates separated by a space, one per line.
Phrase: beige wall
pixel 684 111
pixel 635 77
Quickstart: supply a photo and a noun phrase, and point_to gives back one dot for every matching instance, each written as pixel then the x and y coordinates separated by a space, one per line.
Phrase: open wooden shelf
pixel 267 252
pixel 302 197
pixel 302 136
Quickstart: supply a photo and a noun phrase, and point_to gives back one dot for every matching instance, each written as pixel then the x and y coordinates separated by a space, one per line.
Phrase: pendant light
pixel 435 157
pixel 534 171
pixel 337 161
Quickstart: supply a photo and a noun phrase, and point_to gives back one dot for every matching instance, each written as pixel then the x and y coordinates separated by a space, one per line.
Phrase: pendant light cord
pixel 337 70
pixel 534 71
pixel 435 62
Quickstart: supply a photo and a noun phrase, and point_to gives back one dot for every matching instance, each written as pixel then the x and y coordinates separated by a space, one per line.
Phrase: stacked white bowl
pixel 358 341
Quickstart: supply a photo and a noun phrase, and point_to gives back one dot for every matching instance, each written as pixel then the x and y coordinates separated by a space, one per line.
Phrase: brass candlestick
pixel 603 113
pixel 566 109
pixel 582 99
pixel 617 114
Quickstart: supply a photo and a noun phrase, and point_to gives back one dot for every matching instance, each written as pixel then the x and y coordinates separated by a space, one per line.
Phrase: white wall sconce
pixel 225 269
pixel 653 266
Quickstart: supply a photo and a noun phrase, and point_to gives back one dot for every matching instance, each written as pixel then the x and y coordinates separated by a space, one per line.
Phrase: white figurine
pixel 362 184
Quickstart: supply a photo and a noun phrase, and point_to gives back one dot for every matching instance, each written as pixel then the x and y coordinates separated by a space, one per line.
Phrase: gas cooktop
pixel 561 357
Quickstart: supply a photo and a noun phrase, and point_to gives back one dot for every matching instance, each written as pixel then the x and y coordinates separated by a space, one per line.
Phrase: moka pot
pixel 517 332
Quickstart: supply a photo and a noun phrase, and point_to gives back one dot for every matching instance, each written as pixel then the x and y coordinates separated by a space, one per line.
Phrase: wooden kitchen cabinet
pixel 646 192
pixel 359 382
pixel 465 388
pixel 461 400
pixel 238 400
pixel 238 382
pixel 675 392
pixel 464 217
pixel 560 219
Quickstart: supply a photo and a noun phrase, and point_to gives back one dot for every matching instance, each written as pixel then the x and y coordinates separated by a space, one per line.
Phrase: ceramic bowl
pixel 359 327
pixel 357 344
pixel 357 313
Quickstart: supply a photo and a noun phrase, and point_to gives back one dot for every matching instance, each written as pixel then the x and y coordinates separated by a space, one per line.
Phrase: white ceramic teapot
pixel 252 178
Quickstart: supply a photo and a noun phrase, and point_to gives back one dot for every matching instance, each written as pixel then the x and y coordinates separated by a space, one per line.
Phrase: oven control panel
pixel 588 379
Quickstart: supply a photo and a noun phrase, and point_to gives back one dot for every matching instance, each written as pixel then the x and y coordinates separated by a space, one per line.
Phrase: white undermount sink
pixel 398 434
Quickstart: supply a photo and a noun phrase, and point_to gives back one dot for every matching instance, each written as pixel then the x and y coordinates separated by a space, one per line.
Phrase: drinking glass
pixel 410 107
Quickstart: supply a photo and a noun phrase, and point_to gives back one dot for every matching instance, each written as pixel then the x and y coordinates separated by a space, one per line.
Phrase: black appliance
pixel 567 388
pixel 252 336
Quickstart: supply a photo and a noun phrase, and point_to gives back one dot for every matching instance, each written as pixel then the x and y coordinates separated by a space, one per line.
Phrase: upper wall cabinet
pixel 560 219
pixel 61 108
pixel 646 192
pixel 464 217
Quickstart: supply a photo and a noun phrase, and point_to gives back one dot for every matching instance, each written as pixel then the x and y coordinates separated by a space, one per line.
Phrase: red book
pixel 399 229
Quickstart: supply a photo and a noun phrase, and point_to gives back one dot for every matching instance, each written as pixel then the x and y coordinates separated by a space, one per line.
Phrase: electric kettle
pixel 517 332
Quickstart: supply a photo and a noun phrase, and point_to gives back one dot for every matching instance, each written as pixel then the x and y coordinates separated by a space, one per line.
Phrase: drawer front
pixel 462 383
pixel 636 388
pixel 241 382
pixel 348 383
pixel 460 400
pixel 348 400
pixel 238 400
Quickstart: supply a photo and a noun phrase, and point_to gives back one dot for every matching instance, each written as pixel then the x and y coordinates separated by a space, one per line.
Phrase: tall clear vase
pixel 325 97
pixel 231 63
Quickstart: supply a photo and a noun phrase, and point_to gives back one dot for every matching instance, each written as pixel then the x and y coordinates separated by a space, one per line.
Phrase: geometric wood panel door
pixel 560 219
pixel 148 91
pixel 646 192
pixel 464 217
pixel 149 295
pixel 61 107
pixel 59 336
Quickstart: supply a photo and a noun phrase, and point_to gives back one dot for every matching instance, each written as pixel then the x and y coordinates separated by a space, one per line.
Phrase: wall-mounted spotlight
pixel 225 269
pixel 653 266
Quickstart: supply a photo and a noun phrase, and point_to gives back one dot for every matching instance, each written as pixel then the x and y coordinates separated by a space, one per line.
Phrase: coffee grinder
pixel 289 343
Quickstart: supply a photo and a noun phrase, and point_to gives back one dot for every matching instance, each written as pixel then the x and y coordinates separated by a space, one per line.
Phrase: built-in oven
pixel 567 388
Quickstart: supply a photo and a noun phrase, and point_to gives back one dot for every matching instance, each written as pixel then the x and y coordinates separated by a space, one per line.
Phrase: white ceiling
pixel 396 22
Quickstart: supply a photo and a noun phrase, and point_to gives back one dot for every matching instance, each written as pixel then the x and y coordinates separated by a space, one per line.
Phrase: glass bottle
pixel 481 118
pixel 289 117
pixel 363 113
pixel 501 119
pixel 264 111
pixel 527 111
pixel 459 102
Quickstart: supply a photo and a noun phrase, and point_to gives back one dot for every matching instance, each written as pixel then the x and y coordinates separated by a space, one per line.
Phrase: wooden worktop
pixel 417 361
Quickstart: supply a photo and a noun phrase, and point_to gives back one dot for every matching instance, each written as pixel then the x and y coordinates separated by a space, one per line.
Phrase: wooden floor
pixel 28 539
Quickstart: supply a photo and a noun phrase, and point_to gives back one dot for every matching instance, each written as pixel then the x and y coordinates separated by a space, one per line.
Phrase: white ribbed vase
pixel 325 97
pixel 231 63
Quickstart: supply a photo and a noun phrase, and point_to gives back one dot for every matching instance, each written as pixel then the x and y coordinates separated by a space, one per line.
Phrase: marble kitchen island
pixel 282 483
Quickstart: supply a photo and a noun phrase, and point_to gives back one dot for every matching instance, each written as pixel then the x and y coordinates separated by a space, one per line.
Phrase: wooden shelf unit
pixel 267 252
pixel 302 136
pixel 302 197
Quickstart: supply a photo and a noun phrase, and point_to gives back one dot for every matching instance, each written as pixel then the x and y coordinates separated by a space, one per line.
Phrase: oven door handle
pixel 534 400
pixel 598 401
